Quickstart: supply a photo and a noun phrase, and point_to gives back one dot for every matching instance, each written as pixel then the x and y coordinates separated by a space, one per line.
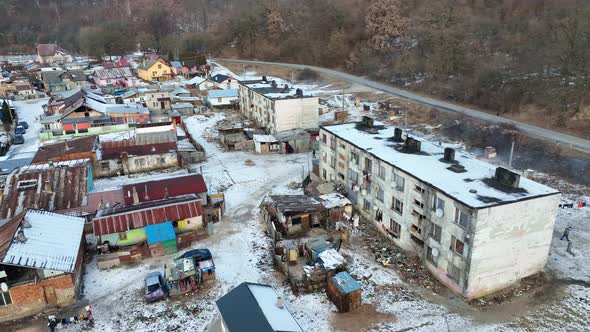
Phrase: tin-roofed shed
pixel 344 292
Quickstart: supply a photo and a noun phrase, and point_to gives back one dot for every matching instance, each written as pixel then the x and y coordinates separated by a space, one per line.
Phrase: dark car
pixel 155 287
pixel 198 255
pixel 20 130
pixel 18 139
pixel 24 124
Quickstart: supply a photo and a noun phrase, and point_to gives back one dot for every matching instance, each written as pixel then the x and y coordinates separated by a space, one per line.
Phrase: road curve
pixel 532 131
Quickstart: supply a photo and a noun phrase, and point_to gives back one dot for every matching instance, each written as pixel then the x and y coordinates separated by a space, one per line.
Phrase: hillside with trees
pixel 526 59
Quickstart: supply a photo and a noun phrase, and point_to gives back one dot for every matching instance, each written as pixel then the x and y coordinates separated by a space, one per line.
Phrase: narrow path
pixel 530 130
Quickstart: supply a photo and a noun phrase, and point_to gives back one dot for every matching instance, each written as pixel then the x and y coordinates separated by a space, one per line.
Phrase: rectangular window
pixel 381 172
pixel 435 232
pixel 332 162
pixel 333 143
pixel 366 205
pixel 324 139
pixel 368 165
pixel 395 228
pixel 324 174
pixel 461 218
pixel 419 189
pixel 342 146
pixel 399 182
pixel 418 203
pixel 380 195
pixel 430 257
pixel 123 236
pixel 397 206
pixel 438 204
pixel 454 273
pixel 341 176
pixel 354 158
pixel 162 160
pixel 104 166
pixel 26 184
pixel 457 246
pixel 139 163
pixel 353 176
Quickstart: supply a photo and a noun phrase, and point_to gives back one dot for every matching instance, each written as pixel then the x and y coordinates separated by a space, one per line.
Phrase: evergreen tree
pixel 6 116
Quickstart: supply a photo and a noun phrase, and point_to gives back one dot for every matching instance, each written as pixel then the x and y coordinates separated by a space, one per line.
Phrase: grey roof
pixel 256 307
pixel 147 64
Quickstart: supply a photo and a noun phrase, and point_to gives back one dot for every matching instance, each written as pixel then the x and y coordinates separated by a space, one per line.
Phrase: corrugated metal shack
pixel 344 292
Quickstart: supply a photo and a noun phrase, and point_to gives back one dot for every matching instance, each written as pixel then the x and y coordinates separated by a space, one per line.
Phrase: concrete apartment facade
pixel 477 228
pixel 277 108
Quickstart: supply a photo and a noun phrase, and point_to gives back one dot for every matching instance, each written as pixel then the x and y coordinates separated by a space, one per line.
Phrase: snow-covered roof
pixel 333 200
pixel 196 80
pixel 115 108
pixel 470 185
pixel 273 90
pixel 181 105
pixel 52 242
pixel 264 138
pixel 223 93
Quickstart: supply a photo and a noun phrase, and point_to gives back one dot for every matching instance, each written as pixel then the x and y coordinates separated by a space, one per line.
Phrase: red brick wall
pixel 29 298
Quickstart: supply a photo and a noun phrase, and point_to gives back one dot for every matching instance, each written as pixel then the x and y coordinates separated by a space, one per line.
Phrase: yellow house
pixel 154 70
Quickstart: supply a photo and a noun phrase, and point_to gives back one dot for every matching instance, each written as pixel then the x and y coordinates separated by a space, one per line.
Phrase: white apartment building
pixel 278 108
pixel 477 228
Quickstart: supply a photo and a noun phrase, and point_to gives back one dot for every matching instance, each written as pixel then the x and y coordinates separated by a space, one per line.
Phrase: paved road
pixel 532 131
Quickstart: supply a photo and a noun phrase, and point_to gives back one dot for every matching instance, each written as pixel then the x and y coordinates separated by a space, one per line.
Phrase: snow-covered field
pixel 241 253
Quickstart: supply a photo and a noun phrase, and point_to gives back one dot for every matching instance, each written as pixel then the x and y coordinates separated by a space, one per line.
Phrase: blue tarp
pixel 345 283
pixel 159 232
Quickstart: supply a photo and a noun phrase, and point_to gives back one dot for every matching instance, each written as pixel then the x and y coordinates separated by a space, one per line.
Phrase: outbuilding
pixel 344 292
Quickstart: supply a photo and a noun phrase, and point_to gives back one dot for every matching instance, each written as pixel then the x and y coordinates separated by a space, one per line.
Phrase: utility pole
pixel 292 74
pixel 342 99
pixel 511 154
pixel 406 120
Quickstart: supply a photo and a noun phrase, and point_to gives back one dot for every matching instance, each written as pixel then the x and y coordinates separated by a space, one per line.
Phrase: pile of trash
pixel 408 266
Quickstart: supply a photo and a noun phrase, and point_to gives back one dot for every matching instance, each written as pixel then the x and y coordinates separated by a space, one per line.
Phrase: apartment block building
pixel 478 228
pixel 278 108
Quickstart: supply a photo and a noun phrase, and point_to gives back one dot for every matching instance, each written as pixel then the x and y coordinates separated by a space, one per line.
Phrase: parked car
pixel 155 287
pixel 18 139
pixel 198 255
pixel 24 124
pixel 20 130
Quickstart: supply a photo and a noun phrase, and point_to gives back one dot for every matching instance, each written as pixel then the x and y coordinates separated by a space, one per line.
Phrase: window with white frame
pixel 381 171
pixel 397 206
pixel 395 228
pixel 461 217
pixel 399 182
pixel 354 158
pixel 438 204
pixel 436 232
pixel 380 194
pixel 332 162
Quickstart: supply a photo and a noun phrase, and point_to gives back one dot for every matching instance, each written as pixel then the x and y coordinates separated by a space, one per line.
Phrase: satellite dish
pixel 439 213
pixel 4 287
pixel 434 252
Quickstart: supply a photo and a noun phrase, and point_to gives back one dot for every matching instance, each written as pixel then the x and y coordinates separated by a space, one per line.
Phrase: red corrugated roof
pixel 151 213
pixel 159 189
